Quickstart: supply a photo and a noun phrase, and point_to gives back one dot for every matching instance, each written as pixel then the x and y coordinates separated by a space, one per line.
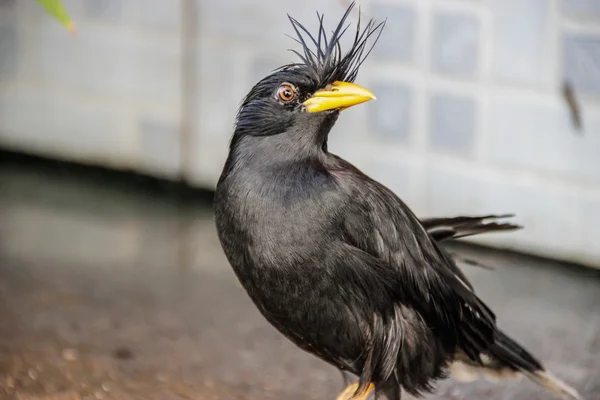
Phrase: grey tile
pixel 160 147
pixel 581 62
pixel 63 125
pixel 539 136
pixel 581 7
pixel 550 215
pixel 452 125
pixel 109 10
pixel 9 50
pixel 261 68
pixel 591 223
pixel 450 191
pixel 397 41
pixel 160 13
pixel 390 116
pixel 520 37
pixel 455 47
pixel 97 60
pixel 266 20
pixel 157 66
pixel 5 4
pixel 524 134
pixel 395 174
pixel 213 110
pixel 16 107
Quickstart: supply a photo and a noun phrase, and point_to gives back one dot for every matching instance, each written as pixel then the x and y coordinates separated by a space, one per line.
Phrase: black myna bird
pixel 336 261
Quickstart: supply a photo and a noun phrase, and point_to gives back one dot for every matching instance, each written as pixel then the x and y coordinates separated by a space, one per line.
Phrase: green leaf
pixel 56 9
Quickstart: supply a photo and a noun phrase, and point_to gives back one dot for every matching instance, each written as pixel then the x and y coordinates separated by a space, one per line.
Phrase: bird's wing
pixel 425 278
pixel 442 229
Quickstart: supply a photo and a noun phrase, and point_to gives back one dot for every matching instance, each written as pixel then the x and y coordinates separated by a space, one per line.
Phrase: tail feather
pixel 469 261
pixel 442 229
pixel 445 229
pixel 507 359
pixel 553 384
pixel 512 354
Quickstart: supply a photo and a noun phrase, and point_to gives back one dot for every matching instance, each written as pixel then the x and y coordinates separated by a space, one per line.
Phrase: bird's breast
pixel 277 221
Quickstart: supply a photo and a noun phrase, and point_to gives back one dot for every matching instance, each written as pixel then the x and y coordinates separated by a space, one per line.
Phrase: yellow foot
pixel 348 392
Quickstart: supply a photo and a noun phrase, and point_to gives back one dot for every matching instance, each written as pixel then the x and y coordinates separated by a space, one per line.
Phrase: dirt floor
pixel 117 290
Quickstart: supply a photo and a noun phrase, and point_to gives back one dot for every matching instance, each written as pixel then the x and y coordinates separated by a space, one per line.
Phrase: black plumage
pixel 335 260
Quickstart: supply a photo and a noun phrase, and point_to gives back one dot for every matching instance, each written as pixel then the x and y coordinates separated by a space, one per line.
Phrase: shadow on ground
pixel 114 290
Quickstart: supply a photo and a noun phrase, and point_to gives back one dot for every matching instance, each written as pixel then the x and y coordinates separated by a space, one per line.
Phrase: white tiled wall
pixel 469 117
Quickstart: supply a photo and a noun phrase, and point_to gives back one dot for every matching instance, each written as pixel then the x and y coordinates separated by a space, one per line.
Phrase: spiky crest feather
pixel 326 63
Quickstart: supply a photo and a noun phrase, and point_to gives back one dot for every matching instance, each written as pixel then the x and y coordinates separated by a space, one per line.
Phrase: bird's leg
pixel 348 392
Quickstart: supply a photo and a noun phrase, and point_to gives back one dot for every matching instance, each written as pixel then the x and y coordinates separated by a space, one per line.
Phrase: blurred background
pixel 112 280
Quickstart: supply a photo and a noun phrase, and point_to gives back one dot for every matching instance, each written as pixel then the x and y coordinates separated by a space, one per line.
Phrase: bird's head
pixel 303 99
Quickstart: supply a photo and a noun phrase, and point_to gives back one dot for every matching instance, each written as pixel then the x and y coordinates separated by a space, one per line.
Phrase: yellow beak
pixel 339 95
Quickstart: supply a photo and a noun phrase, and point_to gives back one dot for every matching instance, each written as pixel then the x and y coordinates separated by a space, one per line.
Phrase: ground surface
pixel 111 291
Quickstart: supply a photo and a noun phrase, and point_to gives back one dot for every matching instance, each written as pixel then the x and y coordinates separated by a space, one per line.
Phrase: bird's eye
pixel 286 93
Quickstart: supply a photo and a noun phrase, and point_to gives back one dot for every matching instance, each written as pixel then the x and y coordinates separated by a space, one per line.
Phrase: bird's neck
pixel 257 154
pixel 302 143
